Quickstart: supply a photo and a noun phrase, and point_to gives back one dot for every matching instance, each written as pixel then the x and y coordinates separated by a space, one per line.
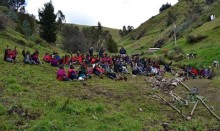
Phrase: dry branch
pixel 179 112
pixel 216 116
pixel 194 108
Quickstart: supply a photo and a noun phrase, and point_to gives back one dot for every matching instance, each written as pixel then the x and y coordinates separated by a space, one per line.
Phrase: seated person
pixel 167 67
pixel 10 56
pixel 72 73
pixel 112 75
pixel 27 58
pixel 47 58
pixel 194 73
pixel 6 53
pixel 208 73
pixel 82 75
pixel 35 57
pixel 97 70
pixel 54 61
pixel 61 74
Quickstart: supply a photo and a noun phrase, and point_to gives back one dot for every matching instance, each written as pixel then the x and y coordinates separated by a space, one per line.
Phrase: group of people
pixel 194 73
pixel 114 67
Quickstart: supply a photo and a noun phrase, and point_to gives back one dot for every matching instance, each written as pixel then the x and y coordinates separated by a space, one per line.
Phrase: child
pixel 72 73
pixel 61 74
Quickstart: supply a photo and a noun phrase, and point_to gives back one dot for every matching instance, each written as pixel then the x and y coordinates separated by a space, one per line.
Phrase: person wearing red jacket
pixel 194 73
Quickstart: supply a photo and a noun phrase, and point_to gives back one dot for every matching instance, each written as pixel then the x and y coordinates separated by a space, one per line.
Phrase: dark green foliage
pixel 26 28
pixel 60 19
pixel 74 39
pixel 26 24
pixel 209 2
pixel 176 54
pixel 171 17
pixel 195 38
pixel 3 21
pixel 165 6
pixel 125 30
pixel 12 14
pixel 97 38
pixel 4 3
pixel 48 22
pixel 16 4
pixel 112 46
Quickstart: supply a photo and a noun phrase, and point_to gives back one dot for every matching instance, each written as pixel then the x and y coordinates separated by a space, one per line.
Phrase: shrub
pixel 3 21
pixel 195 38
pixel 165 6
pixel 209 2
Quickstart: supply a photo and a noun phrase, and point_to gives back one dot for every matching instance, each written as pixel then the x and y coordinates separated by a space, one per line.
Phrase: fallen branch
pixel 194 108
pixel 216 116
pixel 179 112
pixel 185 86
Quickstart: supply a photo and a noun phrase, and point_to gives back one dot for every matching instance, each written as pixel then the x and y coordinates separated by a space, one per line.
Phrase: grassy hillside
pixel 113 32
pixel 156 29
pixel 32 99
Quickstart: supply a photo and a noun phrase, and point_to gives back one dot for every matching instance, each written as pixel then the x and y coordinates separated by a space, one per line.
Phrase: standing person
pixel 91 51
pixel 101 52
pixel 122 51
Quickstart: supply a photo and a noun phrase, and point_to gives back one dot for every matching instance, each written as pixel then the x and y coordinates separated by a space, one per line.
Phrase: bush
pixel 195 38
pixel 209 2
pixel 3 21
pixel 165 6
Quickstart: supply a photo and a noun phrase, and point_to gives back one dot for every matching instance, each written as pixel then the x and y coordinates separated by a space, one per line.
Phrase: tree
pixel 74 39
pixel 99 28
pixel 171 17
pixel 4 3
pixel 48 22
pixel 26 28
pixel 16 4
pixel 165 6
pixel 125 30
pixel 61 19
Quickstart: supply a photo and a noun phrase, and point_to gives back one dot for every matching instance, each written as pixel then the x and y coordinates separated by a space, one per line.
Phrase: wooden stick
pixel 216 116
pixel 185 86
pixel 179 112
pixel 194 108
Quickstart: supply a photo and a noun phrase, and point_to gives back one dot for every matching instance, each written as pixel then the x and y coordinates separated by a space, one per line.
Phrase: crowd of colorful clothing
pixel 100 64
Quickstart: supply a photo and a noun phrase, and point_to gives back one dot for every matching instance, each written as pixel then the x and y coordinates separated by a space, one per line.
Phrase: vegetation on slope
pixel 32 99
pixel 156 32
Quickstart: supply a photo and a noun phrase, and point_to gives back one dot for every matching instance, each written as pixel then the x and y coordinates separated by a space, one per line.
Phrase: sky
pixel 110 13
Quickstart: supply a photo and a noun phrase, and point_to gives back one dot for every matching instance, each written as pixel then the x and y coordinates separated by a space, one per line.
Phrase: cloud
pixel 111 13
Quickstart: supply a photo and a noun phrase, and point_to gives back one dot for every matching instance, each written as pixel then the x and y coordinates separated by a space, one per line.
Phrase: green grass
pixel 32 99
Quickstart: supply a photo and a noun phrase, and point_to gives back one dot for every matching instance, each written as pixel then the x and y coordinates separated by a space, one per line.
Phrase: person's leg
pixel 65 79
pixel 9 60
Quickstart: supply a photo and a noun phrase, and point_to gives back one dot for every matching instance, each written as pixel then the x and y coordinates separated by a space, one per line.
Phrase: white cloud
pixel 111 13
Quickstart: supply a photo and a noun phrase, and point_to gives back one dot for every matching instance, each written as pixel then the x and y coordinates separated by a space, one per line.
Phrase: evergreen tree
pixel 60 19
pixel 16 4
pixel 4 3
pixel 48 22
pixel 26 28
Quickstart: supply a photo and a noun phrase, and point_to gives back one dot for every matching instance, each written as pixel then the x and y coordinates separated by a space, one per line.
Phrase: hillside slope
pixel 155 30
pixel 32 99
